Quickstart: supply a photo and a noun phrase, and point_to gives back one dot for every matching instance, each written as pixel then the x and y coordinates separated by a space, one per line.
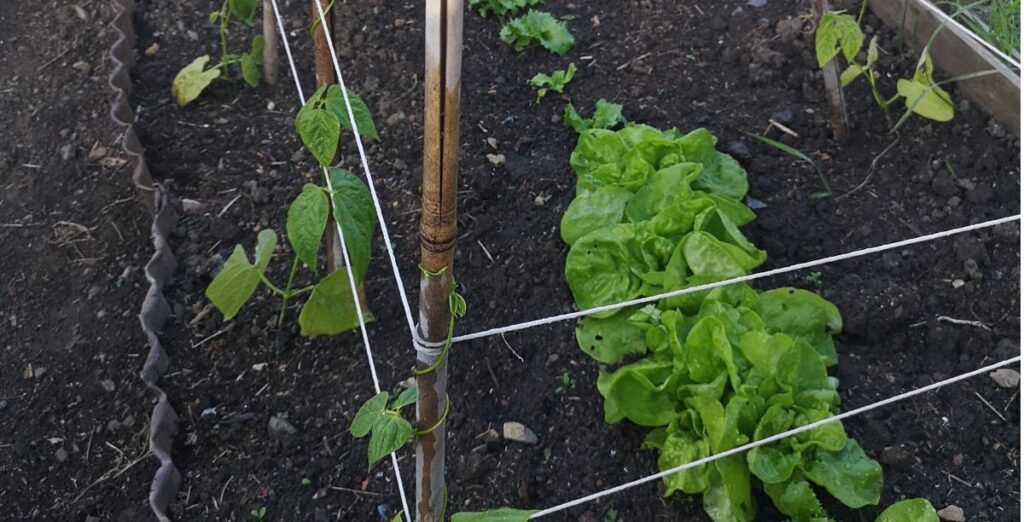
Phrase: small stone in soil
pixel 783 116
pixel 517 432
pixel 895 457
pixel 3 405
pixel 113 425
pixel 738 149
pixel 952 513
pixel 108 385
pixel 283 340
pixel 538 201
pixel 67 152
pixel 152 49
pixel 82 67
pixel 394 119
pixel 280 428
pixel 190 206
pixel 1006 377
pixel 493 143
pixel 496 159
pixel 62 455
pixel 944 185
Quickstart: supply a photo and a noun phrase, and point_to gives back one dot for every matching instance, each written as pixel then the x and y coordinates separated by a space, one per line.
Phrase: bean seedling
pixel 190 82
pixel 839 32
pixel 330 308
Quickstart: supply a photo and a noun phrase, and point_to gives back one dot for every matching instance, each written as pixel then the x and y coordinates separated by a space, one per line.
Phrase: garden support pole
pixel 325 76
pixel 269 44
pixel 442 85
pixel 833 87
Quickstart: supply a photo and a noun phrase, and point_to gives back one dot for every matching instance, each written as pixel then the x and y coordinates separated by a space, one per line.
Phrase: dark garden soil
pixel 72 283
pixel 74 238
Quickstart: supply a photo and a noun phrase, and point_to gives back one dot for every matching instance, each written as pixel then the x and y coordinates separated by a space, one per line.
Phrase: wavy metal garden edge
pixel 155 310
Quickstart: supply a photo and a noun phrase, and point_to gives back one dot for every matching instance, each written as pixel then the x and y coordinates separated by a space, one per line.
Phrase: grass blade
pixel 800 156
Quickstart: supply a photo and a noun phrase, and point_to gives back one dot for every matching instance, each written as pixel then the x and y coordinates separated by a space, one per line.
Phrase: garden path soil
pixel 75 236
pixel 726 66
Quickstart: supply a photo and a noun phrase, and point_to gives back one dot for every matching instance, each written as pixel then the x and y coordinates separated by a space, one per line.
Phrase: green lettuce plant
pixel 190 82
pixel 555 82
pixel 910 510
pixel 330 308
pixel 657 211
pixel 839 32
pixel 538 28
pixel 500 7
pixel 606 116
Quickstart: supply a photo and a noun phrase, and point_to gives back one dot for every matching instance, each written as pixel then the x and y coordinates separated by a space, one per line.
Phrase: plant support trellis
pixel 423 345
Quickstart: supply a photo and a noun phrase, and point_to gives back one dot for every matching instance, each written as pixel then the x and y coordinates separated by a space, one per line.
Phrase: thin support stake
pixel 442 84
pixel 834 88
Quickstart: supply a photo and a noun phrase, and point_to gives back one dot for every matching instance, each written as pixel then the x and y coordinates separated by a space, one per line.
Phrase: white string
pixel 773 438
pixel 726 282
pixel 348 266
pixel 946 19
pixel 366 171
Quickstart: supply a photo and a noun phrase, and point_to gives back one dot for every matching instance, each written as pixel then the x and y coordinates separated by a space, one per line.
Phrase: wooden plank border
pixel 955 52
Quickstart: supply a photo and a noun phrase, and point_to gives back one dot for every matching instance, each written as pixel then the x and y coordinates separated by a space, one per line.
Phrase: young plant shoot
pixel 839 32
pixel 500 7
pixel 330 308
pixel 555 82
pixel 538 28
pixel 388 431
pixel 190 82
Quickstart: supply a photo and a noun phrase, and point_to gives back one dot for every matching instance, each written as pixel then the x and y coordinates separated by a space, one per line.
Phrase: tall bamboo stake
pixel 442 84
pixel 325 76
pixel 834 88
pixel 269 45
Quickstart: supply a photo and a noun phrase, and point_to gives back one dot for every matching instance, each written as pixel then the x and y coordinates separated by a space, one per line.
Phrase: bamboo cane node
pixel 436 246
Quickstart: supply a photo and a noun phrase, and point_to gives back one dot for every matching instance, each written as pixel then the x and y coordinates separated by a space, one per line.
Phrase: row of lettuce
pixel 659 211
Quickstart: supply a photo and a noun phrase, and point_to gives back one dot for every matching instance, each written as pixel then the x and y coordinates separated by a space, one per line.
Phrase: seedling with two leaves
pixel 839 32
pixel 195 77
pixel 331 307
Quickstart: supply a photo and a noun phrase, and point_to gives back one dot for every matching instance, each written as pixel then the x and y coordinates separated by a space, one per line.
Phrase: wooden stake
pixel 325 76
pixel 442 83
pixel 834 88
pixel 269 44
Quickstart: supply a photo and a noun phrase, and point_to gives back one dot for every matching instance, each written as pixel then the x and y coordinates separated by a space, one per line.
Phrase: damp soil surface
pixel 726 66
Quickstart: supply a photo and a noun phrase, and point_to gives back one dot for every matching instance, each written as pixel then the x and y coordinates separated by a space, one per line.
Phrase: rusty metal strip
pixel 160 269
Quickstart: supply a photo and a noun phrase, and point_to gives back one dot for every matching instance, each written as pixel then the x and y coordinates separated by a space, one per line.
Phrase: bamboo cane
pixel 442 83
pixel 325 76
pixel 269 45
pixel 833 88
